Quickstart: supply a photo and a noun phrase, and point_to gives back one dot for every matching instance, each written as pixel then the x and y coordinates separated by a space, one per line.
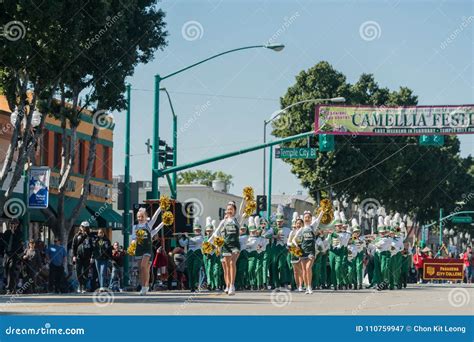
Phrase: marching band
pixel 319 251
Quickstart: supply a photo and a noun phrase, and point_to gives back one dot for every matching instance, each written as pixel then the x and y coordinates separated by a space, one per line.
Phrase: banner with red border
pixel 382 120
pixel 444 269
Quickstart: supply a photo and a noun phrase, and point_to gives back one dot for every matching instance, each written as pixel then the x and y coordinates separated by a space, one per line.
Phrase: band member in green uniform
pixel 406 258
pixel 253 245
pixel 194 255
pixel 358 261
pixel 267 232
pixel 241 280
pixel 344 237
pixel 280 273
pixel 336 252
pixel 142 236
pixel 207 258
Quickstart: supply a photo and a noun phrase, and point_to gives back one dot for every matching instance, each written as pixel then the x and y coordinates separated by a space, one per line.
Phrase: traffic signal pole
pixel 164 172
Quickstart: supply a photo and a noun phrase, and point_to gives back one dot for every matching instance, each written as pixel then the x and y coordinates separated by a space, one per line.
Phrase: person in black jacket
pixel 33 264
pixel 82 254
pixel 102 252
pixel 13 244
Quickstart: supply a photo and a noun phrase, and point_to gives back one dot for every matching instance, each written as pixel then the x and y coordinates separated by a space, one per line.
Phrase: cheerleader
pixel 308 234
pixel 142 236
pixel 294 240
pixel 229 230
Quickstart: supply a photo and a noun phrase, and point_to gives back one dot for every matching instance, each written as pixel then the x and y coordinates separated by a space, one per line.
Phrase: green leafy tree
pixel 70 64
pixel 204 177
pixel 396 171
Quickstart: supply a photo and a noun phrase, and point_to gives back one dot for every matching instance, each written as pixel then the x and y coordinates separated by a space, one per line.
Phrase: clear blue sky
pixel 221 105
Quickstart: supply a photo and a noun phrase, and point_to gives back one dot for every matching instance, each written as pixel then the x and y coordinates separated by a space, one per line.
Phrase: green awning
pixel 69 204
pixel 104 215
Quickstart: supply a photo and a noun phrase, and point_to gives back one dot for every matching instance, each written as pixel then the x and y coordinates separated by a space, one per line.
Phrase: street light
pixel 155 193
pixel 277 113
pixel 174 189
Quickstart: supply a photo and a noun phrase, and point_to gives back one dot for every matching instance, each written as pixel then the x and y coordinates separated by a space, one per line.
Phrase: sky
pixel 221 105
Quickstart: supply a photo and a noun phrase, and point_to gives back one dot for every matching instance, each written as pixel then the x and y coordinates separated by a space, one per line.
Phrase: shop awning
pixel 104 215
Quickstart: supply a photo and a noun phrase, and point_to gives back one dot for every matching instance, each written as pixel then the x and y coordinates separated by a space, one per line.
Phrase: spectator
pixel 33 264
pixel 468 264
pixel 56 254
pixel 13 246
pixel 159 265
pixel 418 259
pixel 82 255
pixel 179 262
pixel 101 252
pixel 116 279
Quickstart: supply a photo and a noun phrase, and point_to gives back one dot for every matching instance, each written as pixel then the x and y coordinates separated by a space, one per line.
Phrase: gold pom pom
pixel 296 251
pixel 165 203
pixel 250 208
pixel 325 206
pixel 248 194
pixel 219 242
pixel 168 218
pixel 207 247
pixel 132 248
pixel 140 236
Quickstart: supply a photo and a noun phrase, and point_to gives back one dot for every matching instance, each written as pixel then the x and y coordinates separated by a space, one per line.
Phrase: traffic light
pixel 326 142
pixel 261 203
pixel 165 154
pixel 431 140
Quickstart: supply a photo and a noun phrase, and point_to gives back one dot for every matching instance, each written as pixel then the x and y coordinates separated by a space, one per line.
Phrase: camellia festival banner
pixel 416 120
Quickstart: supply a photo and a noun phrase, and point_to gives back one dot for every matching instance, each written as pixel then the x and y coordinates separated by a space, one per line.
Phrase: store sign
pixel 418 120
pixel 55 180
pixel 99 191
pixel 445 269
pixel 38 187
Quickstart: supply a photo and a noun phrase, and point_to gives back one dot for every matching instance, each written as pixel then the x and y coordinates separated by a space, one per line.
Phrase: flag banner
pixel 173 328
pixel 38 187
pixel 382 120
pixel 445 269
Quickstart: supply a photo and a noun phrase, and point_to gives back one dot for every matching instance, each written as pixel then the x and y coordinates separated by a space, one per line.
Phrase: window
pixel 57 149
pixel 106 167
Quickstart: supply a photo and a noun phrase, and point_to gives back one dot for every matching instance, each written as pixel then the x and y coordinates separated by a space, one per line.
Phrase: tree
pixel 413 179
pixel 204 177
pixel 70 66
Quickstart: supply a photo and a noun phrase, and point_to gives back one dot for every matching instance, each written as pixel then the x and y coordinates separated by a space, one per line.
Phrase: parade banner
pixel 444 269
pixel 38 187
pixel 382 120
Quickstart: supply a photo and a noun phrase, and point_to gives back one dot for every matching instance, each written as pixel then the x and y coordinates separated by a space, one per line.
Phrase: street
pixel 430 299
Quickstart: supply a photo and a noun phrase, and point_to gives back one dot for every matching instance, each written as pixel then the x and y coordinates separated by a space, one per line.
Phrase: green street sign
pixel 295 153
pixel 462 219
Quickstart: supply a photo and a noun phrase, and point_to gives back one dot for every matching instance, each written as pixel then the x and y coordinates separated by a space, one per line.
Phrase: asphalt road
pixel 415 300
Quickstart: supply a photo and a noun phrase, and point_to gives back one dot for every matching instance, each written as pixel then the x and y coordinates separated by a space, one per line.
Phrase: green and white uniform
pixel 280 271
